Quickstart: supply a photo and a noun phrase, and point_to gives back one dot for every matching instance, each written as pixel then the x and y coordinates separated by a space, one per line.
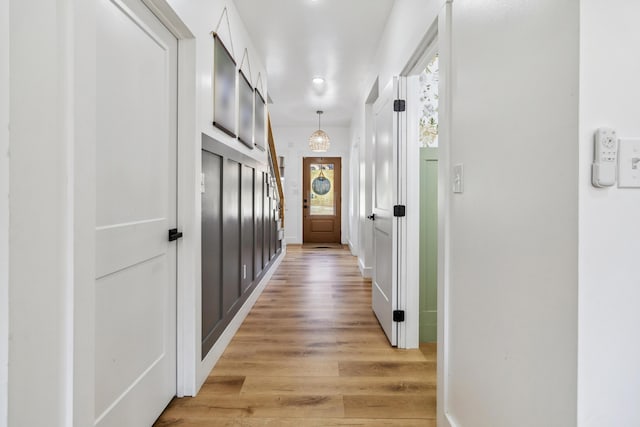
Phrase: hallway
pixel 311 353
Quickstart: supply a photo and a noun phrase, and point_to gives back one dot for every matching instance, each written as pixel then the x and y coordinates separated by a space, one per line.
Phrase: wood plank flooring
pixel 311 353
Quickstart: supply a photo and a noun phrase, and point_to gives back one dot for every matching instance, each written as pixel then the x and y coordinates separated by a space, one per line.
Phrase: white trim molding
pixel 4 211
pixel 444 21
pixel 352 248
pixel 367 272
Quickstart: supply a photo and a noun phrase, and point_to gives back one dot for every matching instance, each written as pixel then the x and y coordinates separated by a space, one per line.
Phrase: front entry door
pixel 321 200
pixel 385 225
pixel 135 317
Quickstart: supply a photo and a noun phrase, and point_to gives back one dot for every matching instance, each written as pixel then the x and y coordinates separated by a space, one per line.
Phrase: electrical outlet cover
pixel 629 163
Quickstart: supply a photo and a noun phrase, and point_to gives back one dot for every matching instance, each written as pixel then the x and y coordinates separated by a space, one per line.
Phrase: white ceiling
pixel 302 39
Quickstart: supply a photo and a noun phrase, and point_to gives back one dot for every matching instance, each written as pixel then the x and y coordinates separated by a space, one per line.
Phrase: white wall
pixel 201 17
pixel 39 211
pixel 353 238
pixel 609 349
pixel 408 24
pixel 4 208
pixel 359 133
pixel 513 287
pixel 52 216
pixel 293 144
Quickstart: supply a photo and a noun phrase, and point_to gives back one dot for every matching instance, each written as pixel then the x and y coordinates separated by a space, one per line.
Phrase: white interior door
pixel 385 225
pixel 135 319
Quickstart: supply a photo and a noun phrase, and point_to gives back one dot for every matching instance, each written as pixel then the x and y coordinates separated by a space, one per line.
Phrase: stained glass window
pixel 429 79
pixel 322 200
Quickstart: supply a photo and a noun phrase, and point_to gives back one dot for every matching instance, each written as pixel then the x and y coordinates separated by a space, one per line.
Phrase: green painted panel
pixel 428 244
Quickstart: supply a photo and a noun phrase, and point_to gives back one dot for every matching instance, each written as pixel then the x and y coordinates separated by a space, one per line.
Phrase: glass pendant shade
pixel 319 140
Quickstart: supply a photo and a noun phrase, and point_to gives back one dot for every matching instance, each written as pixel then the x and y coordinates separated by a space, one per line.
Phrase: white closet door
pixel 385 225
pixel 135 361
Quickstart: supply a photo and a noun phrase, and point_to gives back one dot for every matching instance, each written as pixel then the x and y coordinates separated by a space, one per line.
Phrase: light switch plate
pixel 629 163
pixel 458 178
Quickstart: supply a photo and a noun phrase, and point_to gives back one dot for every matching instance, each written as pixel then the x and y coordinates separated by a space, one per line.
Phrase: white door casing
pixel 385 225
pixel 135 318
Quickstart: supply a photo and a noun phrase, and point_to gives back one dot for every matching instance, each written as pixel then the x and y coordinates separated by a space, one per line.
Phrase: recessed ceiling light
pixel 318 80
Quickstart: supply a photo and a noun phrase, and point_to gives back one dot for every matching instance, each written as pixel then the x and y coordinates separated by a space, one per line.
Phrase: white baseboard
pixel 292 240
pixel 352 248
pixel 450 421
pixel 366 272
pixel 225 339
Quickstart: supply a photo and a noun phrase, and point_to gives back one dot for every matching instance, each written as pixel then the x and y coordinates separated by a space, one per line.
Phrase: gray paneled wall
pixel 259 234
pixel 266 247
pixel 230 250
pixel 239 234
pixel 248 226
pixel 211 236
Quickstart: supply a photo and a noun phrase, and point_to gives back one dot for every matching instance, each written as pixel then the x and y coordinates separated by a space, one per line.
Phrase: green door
pixel 428 244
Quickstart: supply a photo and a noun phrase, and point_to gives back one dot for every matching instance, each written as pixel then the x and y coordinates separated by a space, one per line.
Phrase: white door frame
pixel 189 168
pixel 4 210
pixel 444 208
pixel 411 176
pixel 438 37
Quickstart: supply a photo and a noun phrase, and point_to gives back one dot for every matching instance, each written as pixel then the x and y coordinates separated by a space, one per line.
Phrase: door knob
pixel 174 234
pixel 372 217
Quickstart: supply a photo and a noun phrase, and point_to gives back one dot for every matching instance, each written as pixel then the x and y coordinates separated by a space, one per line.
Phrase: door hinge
pixel 399 105
pixel 399 210
pixel 398 315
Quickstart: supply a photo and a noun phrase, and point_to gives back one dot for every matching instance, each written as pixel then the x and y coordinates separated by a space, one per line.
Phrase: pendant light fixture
pixel 319 140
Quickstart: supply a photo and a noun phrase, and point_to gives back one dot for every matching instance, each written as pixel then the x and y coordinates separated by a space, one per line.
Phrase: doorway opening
pixel 427 86
pixel 428 184
pixel 322 201
pixel 425 179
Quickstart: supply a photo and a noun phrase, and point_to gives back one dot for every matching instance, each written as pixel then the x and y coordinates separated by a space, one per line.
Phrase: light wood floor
pixel 311 353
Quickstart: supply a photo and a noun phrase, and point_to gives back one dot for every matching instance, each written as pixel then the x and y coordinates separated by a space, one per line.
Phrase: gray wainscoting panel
pixel 272 245
pixel 211 246
pixel 266 256
pixel 248 238
pixel 237 232
pixel 274 233
pixel 259 239
pixel 231 234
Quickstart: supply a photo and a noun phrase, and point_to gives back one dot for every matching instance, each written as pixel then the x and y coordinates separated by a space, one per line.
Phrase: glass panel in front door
pixel 321 191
